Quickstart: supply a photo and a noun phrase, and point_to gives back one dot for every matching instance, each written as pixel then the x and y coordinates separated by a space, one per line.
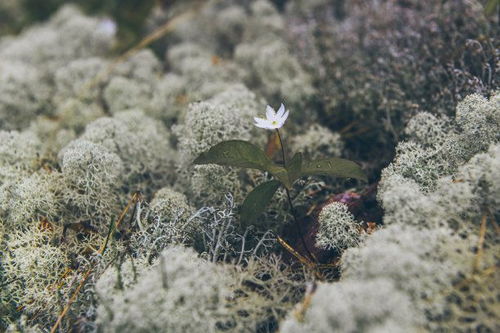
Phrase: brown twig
pixel 485 272
pixel 136 197
pixel 464 282
pixel 304 260
pixel 348 127
pixel 359 131
pixel 480 245
pixel 71 300
pixel 301 310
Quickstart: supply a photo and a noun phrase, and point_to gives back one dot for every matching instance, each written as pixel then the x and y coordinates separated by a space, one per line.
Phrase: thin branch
pixel 300 312
pixel 101 251
pixel 304 260
pixel 480 245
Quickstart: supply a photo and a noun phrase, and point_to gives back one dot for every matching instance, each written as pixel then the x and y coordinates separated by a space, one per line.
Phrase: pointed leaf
pixel 238 153
pixel 294 167
pixel 281 174
pixel 336 167
pixel 257 201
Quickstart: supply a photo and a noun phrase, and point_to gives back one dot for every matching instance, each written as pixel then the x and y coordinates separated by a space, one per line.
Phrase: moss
pixel 92 176
pixel 358 308
pixel 428 182
pixel 337 228
pixel 318 142
pixel 377 63
pixel 180 284
pixel 81 133
pixel 36 267
pixel 226 116
pixel 140 142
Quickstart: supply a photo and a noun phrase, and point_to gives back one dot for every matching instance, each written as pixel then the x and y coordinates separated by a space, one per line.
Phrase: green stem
pixel 292 208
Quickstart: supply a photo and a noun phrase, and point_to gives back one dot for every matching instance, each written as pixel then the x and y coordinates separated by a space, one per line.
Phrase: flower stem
pixel 282 147
pixel 292 208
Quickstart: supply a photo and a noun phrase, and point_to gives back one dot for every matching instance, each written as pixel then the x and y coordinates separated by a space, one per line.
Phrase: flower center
pixel 274 122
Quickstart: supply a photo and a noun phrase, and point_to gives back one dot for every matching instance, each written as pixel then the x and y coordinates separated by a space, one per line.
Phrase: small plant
pixel 238 153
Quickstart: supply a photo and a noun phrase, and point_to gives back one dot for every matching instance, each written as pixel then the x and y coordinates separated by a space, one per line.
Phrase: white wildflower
pixel 108 27
pixel 274 119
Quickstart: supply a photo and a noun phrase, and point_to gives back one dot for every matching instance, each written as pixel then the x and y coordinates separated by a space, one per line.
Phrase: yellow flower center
pixel 274 122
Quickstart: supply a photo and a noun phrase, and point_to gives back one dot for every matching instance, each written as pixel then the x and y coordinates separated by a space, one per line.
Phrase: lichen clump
pixel 337 228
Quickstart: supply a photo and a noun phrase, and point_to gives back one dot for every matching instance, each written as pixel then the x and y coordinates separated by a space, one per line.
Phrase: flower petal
pixel 262 123
pixel 261 126
pixel 281 121
pixel 260 120
pixel 281 111
pixel 284 117
pixel 270 113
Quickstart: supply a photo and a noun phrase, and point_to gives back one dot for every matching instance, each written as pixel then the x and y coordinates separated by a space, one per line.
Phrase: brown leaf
pixel 273 145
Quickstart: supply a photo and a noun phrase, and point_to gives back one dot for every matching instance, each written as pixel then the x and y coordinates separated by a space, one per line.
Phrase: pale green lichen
pixel 77 79
pixel 169 99
pixel 278 74
pixel 169 205
pixel 91 178
pixel 123 93
pixel 23 94
pixel 318 142
pixel 435 178
pixel 69 35
pixel 36 267
pixel 19 153
pixel 337 228
pixel 355 306
pixel 226 116
pixel 179 293
pixel 168 220
pixel 30 199
pixel 142 144
pixel 426 264
pixel 92 130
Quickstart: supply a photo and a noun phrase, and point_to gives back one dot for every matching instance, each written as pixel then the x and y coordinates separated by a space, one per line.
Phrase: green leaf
pixel 281 174
pixel 238 153
pixel 294 167
pixel 257 201
pixel 337 167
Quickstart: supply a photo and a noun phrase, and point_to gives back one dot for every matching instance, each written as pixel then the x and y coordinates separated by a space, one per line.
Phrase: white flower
pixel 274 119
pixel 108 27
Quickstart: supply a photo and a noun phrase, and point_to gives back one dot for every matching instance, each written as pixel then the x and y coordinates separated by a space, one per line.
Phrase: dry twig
pixel 480 245
pixel 113 226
